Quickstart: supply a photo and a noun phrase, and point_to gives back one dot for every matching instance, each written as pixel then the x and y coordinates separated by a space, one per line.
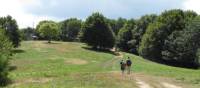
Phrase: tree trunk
pixel 49 40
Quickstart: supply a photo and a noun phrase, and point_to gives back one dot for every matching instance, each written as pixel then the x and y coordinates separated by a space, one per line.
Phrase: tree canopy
pixel 48 29
pixel 97 32
pixel 11 28
pixel 70 29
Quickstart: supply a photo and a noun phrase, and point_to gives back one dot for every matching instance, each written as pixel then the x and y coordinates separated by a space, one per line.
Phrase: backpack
pixel 128 62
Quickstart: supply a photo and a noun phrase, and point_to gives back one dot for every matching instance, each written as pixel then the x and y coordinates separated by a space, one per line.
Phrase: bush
pixel 5 52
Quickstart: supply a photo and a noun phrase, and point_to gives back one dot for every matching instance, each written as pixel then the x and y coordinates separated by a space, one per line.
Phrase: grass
pixel 70 65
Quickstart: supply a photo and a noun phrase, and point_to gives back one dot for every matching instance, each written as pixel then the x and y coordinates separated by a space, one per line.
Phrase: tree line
pixel 169 38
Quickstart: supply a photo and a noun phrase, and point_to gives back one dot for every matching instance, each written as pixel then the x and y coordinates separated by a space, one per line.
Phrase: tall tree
pixel 116 25
pixel 70 29
pixel 173 20
pixel 97 33
pixel 182 46
pixel 125 35
pixel 10 25
pixel 139 30
pixel 151 44
pixel 49 30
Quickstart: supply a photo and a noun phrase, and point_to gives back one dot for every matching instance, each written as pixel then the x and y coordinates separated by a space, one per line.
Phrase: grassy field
pixel 37 64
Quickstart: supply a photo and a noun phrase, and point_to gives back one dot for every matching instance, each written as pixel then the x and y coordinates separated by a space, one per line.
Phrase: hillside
pixel 37 64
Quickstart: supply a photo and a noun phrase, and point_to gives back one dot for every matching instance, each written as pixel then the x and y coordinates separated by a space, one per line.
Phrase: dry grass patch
pixel 31 80
pixel 76 61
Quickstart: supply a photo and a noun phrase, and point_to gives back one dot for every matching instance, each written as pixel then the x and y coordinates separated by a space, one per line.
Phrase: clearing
pixel 72 65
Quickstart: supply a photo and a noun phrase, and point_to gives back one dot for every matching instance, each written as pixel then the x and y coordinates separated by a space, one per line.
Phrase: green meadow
pixel 37 64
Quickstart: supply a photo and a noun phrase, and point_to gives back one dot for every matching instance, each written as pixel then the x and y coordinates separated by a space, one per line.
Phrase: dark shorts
pixel 122 68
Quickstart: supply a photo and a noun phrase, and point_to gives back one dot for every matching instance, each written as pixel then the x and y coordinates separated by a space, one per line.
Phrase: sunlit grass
pixel 70 65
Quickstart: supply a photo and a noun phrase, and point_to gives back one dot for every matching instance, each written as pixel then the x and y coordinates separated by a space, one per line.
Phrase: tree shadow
pixel 17 51
pixel 101 50
pixel 5 81
pixel 52 43
pixel 173 63
pixel 12 68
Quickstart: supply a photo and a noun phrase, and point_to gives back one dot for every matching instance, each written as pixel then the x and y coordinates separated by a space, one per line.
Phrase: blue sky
pixel 30 12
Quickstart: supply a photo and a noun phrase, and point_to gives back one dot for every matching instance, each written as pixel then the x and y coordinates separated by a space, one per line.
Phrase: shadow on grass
pixel 174 63
pixel 52 43
pixel 5 81
pixel 11 68
pixel 101 50
pixel 18 51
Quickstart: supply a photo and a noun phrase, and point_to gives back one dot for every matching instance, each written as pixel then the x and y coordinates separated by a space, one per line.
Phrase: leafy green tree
pixel 70 29
pixel 5 52
pixel 116 25
pixel 125 35
pixel 182 46
pixel 139 30
pixel 164 40
pixel 173 20
pixel 189 16
pixel 10 25
pixel 49 30
pixel 37 29
pixel 97 32
pixel 151 45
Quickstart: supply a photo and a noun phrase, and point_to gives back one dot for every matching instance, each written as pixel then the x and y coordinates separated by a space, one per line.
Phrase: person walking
pixel 128 63
pixel 123 66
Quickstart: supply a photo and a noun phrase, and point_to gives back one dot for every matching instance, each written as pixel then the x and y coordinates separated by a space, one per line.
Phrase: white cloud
pixel 192 5
pixel 29 12
pixel 15 8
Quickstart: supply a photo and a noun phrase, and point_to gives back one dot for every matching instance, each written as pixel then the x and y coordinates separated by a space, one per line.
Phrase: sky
pixel 29 12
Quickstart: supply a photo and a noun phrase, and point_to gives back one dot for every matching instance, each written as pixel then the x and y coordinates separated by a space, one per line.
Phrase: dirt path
pixel 167 85
pixel 142 84
pixel 144 81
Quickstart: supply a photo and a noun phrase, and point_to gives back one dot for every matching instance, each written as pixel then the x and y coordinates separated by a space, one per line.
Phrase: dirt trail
pixel 142 84
pixel 167 85
pixel 144 81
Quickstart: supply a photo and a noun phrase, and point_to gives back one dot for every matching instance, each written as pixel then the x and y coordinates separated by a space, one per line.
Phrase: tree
pixel 5 52
pixel 97 33
pixel 10 25
pixel 168 39
pixel 125 35
pixel 48 29
pixel 139 30
pixel 37 29
pixel 182 46
pixel 151 44
pixel 116 25
pixel 70 29
pixel 188 16
pixel 172 20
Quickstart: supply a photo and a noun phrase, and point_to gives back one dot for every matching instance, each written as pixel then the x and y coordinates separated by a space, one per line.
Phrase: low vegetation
pixel 5 48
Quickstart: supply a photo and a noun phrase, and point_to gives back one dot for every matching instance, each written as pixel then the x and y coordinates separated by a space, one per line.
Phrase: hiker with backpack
pixel 128 64
pixel 123 66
